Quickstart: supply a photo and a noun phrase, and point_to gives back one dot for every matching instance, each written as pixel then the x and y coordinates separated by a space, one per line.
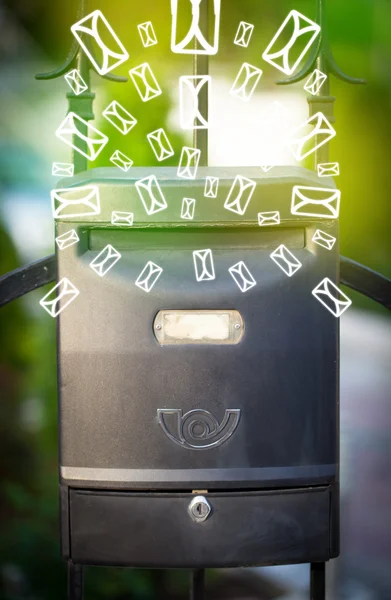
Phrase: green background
pixel 361 41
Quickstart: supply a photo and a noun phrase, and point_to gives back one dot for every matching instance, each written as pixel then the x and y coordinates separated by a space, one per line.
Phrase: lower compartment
pixel 153 529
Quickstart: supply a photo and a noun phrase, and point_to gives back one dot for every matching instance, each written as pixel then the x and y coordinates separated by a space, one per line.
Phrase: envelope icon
pixel 121 160
pixel 242 277
pixel 59 297
pixel 331 297
pixel 160 144
pixel 87 31
pixel 69 238
pixel 240 195
pixel 188 164
pixel 151 195
pixel 105 260
pixel 188 208
pixel 76 82
pixel 324 239
pixel 315 82
pixel 122 218
pixel 190 90
pixel 197 32
pixel 288 58
pixel 243 34
pixel 203 265
pixel 302 143
pixel 75 126
pixel 119 117
pixel 269 218
pixel 145 82
pixel 80 202
pixel 286 260
pixel 328 169
pixel 147 34
pixel 246 82
pixel 149 276
pixel 63 169
pixel 211 187
pixel 315 202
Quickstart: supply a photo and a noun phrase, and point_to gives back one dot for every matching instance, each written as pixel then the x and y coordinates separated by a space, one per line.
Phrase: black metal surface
pixel 197 584
pixel 75 581
pixel 366 281
pixel 17 283
pixel 318 581
pixel 244 528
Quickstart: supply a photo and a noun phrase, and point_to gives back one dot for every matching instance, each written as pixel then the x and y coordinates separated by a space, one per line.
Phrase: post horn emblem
pixel 197 429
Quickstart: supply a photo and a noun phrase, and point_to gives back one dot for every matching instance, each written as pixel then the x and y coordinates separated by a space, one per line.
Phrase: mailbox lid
pixel 243 529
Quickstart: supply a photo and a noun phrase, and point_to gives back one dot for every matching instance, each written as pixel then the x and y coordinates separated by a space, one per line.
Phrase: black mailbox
pixel 198 419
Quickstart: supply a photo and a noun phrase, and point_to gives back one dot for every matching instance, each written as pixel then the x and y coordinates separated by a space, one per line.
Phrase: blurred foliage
pixel 30 566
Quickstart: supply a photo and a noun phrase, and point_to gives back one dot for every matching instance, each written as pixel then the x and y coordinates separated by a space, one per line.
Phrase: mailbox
pixel 198 401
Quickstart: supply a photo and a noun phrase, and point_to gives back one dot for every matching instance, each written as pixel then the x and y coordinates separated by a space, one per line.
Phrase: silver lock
pixel 199 509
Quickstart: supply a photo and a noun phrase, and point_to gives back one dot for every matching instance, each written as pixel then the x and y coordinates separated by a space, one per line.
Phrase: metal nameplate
pixel 218 327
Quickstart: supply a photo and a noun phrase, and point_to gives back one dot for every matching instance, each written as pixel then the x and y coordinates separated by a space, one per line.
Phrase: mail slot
pixel 198 374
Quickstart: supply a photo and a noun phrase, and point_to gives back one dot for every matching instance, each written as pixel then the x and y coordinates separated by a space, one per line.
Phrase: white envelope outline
pixel 330 204
pixel 242 277
pixel 243 34
pixel 327 290
pixel 234 200
pixel 186 169
pixel 250 76
pixel 286 260
pixel 324 239
pixel 88 201
pixel 68 129
pixel 147 34
pixel 122 218
pixel 309 27
pixel 154 204
pixel 76 82
pixel 160 144
pixel 322 127
pixel 192 86
pixel 105 260
pixel 121 160
pixel 211 187
pixel 203 265
pixel 140 76
pixel 149 276
pixel 67 293
pixel 115 112
pixel 67 239
pixel 63 169
pixel 328 169
pixel 188 208
pixel 81 30
pixel 269 218
pixel 203 46
pixel 315 82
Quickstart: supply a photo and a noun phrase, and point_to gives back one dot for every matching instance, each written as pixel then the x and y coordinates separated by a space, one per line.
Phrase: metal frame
pixel 358 277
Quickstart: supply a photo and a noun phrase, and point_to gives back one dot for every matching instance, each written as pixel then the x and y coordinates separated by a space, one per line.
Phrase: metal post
pixel 201 67
pixel 318 581
pixel 321 57
pixel 75 581
pixel 197 584
pixel 82 106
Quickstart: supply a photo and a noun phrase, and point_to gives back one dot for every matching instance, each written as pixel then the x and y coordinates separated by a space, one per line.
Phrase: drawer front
pixel 156 530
